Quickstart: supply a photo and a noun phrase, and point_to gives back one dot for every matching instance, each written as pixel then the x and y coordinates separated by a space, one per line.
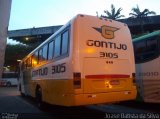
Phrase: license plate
pixel 115 82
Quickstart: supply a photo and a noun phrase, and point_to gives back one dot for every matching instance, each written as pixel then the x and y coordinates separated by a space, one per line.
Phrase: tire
pixel 8 84
pixel 39 102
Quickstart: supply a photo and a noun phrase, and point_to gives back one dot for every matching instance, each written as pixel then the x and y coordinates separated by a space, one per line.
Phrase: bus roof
pixel 59 30
pixel 155 33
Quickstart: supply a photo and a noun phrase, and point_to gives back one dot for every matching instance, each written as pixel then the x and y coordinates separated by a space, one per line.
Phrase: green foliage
pixel 136 13
pixel 15 52
pixel 114 14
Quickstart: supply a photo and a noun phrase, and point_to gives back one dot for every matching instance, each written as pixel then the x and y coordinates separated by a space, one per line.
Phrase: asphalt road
pixel 13 106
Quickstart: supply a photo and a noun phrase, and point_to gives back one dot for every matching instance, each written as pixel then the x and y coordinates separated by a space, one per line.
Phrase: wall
pixel 5 7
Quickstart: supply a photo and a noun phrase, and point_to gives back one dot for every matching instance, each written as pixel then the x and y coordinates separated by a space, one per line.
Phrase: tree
pixel 15 52
pixel 113 14
pixel 136 13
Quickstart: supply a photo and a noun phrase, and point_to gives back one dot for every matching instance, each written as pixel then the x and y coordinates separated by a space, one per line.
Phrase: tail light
pixel 77 80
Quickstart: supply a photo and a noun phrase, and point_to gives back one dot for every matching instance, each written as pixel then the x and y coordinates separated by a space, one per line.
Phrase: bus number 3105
pixel 108 54
pixel 60 68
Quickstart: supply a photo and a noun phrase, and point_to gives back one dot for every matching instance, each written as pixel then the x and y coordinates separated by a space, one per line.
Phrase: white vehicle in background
pixel 10 78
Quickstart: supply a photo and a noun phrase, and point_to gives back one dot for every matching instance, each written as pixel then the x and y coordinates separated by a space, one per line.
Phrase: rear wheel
pixel 39 101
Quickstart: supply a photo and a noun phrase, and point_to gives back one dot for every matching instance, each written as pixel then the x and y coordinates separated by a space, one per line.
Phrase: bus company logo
pixel 107 31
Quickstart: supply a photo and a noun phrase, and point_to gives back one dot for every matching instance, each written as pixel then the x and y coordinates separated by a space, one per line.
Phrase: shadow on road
pixel 13 104
pixel 61 112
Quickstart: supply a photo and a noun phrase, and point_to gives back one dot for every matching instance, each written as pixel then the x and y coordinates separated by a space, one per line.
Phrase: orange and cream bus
pixel 87 61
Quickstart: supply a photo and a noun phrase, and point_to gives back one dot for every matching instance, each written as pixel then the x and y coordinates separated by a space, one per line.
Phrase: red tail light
pixel 77 80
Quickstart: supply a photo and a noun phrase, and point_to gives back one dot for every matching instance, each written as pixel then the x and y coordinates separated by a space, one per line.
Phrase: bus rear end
pixel 104 66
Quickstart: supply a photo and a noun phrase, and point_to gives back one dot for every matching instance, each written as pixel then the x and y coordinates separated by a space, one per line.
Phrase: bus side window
pixel 65 42
pixel 40 58
pixel 146 49
pixel 57 46
pixel 35 59
pixel 44 54
pixel 10 75
pixel 152 47
pixel 50 50
pixel 140 48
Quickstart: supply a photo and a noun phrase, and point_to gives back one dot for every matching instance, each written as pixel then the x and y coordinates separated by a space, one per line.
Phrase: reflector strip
pixel 107 76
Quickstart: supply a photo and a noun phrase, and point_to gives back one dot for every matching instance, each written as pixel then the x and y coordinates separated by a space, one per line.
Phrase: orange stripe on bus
pixel 108 76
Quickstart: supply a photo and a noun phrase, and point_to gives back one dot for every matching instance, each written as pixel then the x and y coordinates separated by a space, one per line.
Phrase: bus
pixel 87 61
pixel 147 58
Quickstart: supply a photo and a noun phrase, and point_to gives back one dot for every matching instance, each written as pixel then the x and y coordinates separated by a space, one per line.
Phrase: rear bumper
pixel 99 98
